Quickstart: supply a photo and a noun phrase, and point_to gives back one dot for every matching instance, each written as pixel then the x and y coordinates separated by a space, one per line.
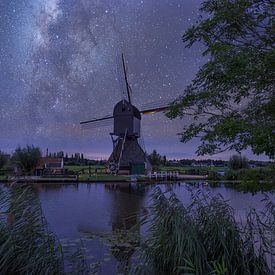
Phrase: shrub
pixel 212 175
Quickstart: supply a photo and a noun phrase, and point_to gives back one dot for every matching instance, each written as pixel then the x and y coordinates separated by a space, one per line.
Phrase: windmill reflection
pixel 127 211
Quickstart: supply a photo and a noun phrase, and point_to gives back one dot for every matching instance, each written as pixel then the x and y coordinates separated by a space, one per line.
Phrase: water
pixel 73 211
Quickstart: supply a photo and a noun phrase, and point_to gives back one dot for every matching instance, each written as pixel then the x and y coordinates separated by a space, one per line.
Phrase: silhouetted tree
pixel 163 160
pixel 27 157
pixel 155 158
pixel 237 162
pixel 3 159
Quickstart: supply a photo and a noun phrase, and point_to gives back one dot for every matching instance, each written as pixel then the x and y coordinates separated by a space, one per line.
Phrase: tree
pixel 155 158
pixel 163 160
pixel 231 101
pixel 27 157
pixel 3 159
pixel 237 162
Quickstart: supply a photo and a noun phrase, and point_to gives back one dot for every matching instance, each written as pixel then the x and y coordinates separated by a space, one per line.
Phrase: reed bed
pixel 200 238
pixel 205 238
pixel 26 244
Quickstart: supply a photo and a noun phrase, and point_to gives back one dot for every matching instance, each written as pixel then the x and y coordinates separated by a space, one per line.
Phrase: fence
pixel 164 175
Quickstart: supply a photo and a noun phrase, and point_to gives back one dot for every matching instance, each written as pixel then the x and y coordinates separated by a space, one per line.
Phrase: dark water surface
pixel 72 211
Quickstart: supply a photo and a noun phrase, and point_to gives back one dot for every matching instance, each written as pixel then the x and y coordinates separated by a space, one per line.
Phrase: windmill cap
pixel 123 107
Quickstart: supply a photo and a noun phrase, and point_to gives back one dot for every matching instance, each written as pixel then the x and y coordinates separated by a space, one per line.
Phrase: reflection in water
pixel 125 216
pixel 72 210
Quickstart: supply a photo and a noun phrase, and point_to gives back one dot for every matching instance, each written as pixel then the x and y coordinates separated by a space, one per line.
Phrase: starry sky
pixel 59 65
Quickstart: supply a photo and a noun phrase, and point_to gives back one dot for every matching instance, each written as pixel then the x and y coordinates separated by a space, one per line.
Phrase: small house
pixel 50 166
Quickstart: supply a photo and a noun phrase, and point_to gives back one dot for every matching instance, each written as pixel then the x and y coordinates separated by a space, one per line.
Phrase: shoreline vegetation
pixel 200 238
pixel 247 180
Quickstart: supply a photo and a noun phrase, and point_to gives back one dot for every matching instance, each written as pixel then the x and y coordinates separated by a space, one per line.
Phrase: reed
pixel 205 238
pixel 26 244
pixel 200 238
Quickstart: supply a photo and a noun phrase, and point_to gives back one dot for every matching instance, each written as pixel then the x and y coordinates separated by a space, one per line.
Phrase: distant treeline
pixel 75 158
pixel 155 158
pixel 210 162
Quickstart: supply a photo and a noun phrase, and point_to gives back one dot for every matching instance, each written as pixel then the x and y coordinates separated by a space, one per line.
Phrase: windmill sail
pixel 155 107
pixel 126 79
pixel 97 122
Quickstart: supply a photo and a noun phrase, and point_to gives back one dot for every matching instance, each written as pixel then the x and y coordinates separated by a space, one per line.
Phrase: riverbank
pixel 100 178
pixel 250 186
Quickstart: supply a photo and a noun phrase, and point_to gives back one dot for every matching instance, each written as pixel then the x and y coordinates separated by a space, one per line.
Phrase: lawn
pixel 184 169
pixel 78 168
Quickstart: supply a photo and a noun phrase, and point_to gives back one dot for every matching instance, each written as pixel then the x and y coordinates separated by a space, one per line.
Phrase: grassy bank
pixel 247 180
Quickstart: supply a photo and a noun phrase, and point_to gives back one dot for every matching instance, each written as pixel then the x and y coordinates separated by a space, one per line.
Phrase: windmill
pixel 127 156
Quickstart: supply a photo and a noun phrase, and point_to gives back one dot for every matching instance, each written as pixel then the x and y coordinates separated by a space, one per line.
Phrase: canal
pixel 75 212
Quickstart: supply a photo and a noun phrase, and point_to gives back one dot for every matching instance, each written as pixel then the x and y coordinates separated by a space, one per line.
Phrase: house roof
pixel 52 160
pixel 47 160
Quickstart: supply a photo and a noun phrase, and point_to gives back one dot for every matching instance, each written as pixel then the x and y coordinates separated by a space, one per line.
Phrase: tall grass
pixel 200 238
pixel 26 244
pixel 205 238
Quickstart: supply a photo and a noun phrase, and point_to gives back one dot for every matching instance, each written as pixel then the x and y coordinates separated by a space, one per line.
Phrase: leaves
pixel 27 157
pixel 231 99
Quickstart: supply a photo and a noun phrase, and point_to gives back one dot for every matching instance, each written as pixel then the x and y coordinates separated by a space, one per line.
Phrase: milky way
pixel 59 64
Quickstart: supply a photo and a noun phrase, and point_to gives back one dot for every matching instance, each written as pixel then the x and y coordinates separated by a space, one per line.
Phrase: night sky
pixel 59 65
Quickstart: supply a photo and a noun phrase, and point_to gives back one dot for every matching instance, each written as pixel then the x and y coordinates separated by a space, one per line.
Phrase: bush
pixel 252 174
pixel 232 175
pixel 212 175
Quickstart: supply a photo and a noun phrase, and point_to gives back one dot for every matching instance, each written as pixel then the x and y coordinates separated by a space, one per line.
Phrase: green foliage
pixel 205 238
pixel 252 174
pixel 156 159
pixel 232 99
pixel 213 175
pixel 237 162
pixel 3 159
pixel 26 245
pixel 27 157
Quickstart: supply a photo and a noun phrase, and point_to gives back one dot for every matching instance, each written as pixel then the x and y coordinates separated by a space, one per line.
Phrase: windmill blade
pixel 154 110
pixel 157 103
pixel 120 77
pixel 156 106
pixel 96 121
pixel 97 124
pixel 126 78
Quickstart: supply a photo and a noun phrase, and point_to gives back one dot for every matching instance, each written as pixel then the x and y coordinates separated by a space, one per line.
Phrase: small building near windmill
pixel 49 166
